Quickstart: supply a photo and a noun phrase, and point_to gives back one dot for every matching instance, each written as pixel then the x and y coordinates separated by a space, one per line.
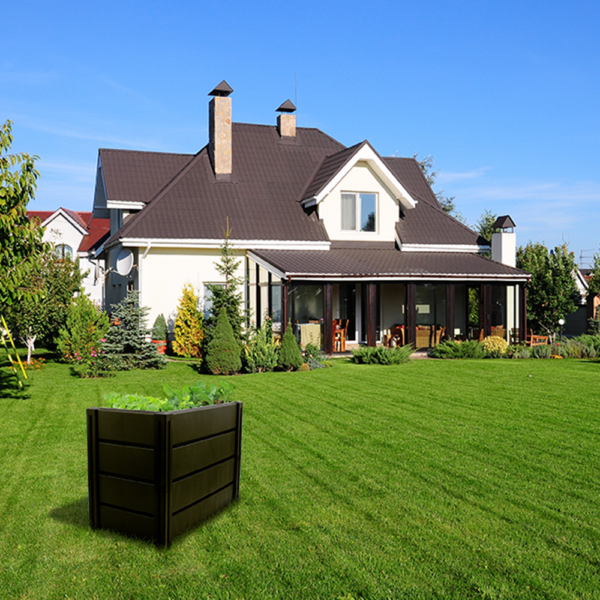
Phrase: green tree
pixel 484 226
pixel 39 315
pixel 21 243
pixel 189 325
pixel 227 296
pixel 127 346
pixel 552 287
pixel 85 330
pixel 290 357
pixel 594 282
pixel 223 351
pixel 447 203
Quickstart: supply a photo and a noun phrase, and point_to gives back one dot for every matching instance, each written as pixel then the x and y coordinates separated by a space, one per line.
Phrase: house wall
pixel 363 180
pixel 164 271
pixel 61 231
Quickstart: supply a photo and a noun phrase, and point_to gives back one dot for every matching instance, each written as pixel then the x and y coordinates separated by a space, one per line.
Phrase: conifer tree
pixel 223 351
pixel 227 296
pixel 189 325
pixel 290 357
pixel 127 345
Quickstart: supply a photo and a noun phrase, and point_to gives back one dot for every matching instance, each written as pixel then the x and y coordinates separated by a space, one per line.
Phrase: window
pixel 63 251
pixel 359 212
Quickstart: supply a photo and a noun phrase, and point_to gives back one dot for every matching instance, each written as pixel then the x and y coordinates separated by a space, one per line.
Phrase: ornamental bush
pixel 494 346
pixel 159 329
pixel 290 357
pixel 223 351
pixel 261 352
pixel 189 325
pixel 453 349
pixel 379 355
pixel 542 351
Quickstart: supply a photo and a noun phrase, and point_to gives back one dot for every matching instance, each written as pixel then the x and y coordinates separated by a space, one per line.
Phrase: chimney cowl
pixel 223 89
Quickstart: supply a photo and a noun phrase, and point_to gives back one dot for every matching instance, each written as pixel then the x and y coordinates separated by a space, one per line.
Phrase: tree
pixel 290 357
pixel 189 325
pixel 447 203
pixel 484 227
pixel 44 308
pixel 594 282
pixel 223 351
pixel 227 296
pixel 127 346
pixel 552 287
pixel 20 239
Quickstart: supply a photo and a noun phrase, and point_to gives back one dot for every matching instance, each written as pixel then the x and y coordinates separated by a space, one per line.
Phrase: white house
pixel 323 232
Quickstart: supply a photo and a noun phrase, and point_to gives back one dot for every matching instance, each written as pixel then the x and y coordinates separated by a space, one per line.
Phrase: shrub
pixel 313 356
pixel 576 349
pixel 594 324
pixel 542 351
pixel 290 357
pixel 126 345
pixel 592 341
pixel 379 355
pixel 303 367
pixel 314 363
pixel 198 394
pixel 189 325
pixel 159 329
pixel 494 346
pixel 223 351
pixel 260 353
pixel 451 349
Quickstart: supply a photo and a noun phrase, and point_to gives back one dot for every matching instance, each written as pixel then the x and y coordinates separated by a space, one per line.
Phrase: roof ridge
pixel 160 194
pixel 145 152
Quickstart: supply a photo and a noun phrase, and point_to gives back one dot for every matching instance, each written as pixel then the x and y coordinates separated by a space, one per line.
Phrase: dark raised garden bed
pixel 156 474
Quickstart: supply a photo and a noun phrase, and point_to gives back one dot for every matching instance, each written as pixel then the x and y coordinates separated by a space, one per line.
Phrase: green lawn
pixel 434 479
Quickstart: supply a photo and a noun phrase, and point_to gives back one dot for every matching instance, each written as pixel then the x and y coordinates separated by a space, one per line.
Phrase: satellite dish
pixel 124 262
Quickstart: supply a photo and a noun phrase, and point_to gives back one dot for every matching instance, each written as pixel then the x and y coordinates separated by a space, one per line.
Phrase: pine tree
pixel 290 357
pixel 189 325
pixel 227 296
pixel 127 345
pixel 223 351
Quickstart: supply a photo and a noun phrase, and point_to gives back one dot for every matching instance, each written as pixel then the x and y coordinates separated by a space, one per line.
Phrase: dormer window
pixel 359 212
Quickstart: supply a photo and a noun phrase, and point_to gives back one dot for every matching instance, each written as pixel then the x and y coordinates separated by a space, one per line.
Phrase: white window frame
pixel 357 211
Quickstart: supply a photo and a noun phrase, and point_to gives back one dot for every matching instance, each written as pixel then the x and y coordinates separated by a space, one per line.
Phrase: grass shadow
pixel 9 387
pixel 76 513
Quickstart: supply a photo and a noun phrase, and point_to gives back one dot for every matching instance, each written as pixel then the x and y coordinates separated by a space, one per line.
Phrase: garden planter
pixel 156 474
pixel 161 346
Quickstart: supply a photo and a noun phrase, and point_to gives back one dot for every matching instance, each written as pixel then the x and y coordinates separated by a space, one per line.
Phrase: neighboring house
pixel 323 232
pixel 77 235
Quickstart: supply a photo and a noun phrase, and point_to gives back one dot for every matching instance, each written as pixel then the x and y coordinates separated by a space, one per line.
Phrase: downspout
pixel 148 246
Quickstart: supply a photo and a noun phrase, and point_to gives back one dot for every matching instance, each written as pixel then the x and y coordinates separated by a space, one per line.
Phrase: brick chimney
pixel 219 145
pixel 286 121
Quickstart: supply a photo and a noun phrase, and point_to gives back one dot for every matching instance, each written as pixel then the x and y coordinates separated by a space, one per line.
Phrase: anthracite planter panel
pixel 154 475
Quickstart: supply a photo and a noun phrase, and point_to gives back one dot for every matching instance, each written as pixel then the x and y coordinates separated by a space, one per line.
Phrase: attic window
pixel 359 212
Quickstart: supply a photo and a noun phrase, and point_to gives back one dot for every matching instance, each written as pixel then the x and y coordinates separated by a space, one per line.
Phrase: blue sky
pixel 504 95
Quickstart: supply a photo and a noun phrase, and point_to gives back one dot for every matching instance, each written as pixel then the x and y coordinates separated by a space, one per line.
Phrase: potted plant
pixel 159 334
pixel 157 467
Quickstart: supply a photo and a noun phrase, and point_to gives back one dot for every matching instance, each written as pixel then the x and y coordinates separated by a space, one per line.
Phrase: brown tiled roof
pixel 427 224
pixel 386 263
pixel 268 176
pixel 98 232
pixel 328 168
pixel 407 170
pixel 40 215
pixel 134 176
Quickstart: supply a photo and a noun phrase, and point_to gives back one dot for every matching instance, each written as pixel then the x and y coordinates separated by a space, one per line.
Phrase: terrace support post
pixel 411 313
pixel 285 317
pixel 328 318
pixel 371 314
pixel 450 299
pixel 486 289
pixel 258 299
pixel 522 313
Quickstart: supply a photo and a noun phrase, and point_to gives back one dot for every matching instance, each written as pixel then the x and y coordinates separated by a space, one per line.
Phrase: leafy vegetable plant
pixel 190 396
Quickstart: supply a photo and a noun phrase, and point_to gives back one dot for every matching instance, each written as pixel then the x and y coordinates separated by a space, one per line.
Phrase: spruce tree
pixel 127 346
pixel 189 325
pixel 290 357
pixel 227 296
pixel 223 351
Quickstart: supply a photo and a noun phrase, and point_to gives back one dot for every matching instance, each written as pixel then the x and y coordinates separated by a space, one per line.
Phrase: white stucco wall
pixel 164 271
pixel 62 231
pixel 360 179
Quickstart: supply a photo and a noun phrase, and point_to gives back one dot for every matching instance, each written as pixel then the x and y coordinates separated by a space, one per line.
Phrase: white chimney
pixel 504 244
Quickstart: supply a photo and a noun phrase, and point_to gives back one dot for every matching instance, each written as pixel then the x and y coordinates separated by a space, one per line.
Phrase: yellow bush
pixel 495 345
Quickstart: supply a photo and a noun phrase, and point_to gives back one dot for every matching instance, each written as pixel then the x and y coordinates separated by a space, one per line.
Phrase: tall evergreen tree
pixel 227 296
